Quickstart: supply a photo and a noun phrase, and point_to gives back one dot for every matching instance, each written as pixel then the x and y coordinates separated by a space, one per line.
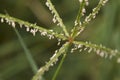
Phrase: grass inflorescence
pixel 68 37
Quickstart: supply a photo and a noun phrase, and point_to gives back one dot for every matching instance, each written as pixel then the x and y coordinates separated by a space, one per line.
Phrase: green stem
pixel 59 67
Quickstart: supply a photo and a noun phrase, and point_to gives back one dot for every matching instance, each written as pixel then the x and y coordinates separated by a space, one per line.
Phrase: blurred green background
pixel 105 29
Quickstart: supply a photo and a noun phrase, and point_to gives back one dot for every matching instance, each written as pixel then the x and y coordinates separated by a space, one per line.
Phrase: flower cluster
pixel 10 22
pixel 90 16
pixel 32 28
pixel 51 62
pixel 56 17
pixel 98 49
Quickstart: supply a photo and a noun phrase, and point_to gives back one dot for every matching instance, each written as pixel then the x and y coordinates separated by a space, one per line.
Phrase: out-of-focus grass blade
pixel 27 52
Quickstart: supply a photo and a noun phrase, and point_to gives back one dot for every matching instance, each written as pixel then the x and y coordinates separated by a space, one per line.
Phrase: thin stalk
pixel 59 67
pixel 8 19
pixel 58 18
pixel 99 49
pixel 51 62
pixel 82 5
pixel 77 21
pixel 90 16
